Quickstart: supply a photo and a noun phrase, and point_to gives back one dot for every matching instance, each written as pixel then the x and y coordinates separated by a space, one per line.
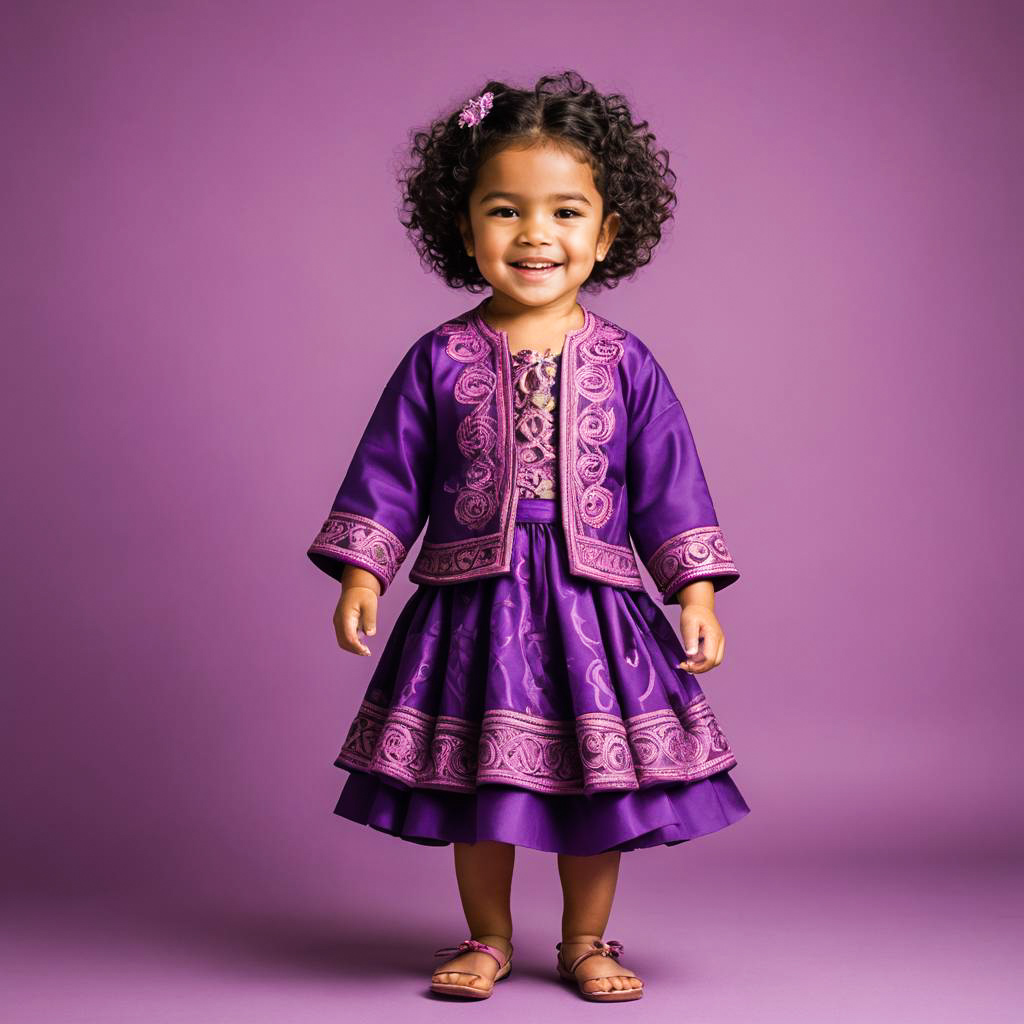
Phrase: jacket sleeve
pixel 671 516
pixel 384 499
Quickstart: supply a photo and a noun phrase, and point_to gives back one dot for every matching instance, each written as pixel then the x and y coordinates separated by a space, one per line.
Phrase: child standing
pixel 531 693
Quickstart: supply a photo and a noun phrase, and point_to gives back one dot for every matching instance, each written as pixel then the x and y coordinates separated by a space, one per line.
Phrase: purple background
pixel 206 286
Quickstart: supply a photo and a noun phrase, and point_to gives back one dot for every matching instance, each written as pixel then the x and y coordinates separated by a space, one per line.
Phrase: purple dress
pixel 537 708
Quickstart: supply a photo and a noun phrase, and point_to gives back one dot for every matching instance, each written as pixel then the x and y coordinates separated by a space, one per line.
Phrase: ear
pixel 466 230
pixel 609 229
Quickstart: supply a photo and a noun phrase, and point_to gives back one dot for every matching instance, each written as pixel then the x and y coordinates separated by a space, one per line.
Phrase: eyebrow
pixel 561 196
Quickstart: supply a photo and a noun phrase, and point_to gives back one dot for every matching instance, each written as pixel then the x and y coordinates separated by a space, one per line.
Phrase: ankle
pixel 502 942
pixel 580 940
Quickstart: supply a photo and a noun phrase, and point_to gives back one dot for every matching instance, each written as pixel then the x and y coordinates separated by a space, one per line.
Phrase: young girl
pixel 532 693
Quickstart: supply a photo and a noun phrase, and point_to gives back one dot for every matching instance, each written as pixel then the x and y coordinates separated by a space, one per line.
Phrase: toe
pixel 460 978
pixel 615 983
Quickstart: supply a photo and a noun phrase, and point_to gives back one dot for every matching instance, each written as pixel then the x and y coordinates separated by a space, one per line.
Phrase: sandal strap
pixel 611 948
pixel 473 945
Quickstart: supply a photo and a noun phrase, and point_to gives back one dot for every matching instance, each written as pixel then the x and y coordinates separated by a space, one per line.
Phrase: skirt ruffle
pixel 537 708
pixel 577 825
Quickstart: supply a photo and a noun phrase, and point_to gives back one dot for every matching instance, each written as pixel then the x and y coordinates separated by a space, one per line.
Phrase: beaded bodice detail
pixel 535 391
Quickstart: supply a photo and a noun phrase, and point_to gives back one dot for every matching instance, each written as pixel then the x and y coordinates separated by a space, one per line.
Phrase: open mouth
pixel 535 268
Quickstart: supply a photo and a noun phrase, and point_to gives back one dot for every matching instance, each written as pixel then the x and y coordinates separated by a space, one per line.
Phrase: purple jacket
pixel 440 449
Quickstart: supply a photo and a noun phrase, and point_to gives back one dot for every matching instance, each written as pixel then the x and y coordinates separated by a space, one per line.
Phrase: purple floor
pixel 762 942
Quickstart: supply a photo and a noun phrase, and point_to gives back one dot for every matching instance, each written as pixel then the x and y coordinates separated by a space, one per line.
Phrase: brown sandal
pixel 471 991
pixel 598 948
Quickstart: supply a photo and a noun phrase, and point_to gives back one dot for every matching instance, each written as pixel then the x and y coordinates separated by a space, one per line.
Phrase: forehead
pixel 535 172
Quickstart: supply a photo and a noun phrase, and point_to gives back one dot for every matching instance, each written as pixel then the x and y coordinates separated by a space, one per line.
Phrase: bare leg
pixel 484 873
pixel 588 889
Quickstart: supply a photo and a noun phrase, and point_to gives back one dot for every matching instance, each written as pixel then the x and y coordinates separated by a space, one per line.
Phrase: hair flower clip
pixel 475 110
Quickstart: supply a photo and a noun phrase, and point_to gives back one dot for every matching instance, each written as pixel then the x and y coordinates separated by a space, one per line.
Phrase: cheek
pixel 491 254
pixel 490 242
pixel 582 245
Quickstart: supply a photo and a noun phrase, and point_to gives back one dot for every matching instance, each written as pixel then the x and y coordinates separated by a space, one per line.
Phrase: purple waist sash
pixel 537 510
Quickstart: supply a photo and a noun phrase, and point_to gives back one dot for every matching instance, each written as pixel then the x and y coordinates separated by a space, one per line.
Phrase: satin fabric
pixel 544 643
pixel 438 451
pixel 581 825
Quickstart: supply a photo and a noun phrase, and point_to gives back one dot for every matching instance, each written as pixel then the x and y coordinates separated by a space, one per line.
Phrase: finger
pixel 709 647
pixel 370 617
pixel 721 651
pixel 712 640
pixel 698 663
pixel 701 663
pixel 690 629
pixel 351 621
pixel 712 646
pixel 339 627
pixel 694 644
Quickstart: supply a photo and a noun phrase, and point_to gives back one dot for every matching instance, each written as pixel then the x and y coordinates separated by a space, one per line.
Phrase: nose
pixel 533 229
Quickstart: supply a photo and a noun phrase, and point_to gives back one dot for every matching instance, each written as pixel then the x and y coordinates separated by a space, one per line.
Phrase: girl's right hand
pixel 357 609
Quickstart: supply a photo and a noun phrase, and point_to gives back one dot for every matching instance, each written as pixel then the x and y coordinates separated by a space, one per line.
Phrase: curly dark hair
pixel 631 176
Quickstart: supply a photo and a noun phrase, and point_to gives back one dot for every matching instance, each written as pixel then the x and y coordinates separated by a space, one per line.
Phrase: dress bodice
pixel 535 391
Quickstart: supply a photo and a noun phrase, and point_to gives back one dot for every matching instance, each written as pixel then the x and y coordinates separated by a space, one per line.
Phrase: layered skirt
pixel 540 709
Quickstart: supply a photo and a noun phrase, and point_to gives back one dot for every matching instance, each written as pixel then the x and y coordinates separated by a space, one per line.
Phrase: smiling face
pixel 536 204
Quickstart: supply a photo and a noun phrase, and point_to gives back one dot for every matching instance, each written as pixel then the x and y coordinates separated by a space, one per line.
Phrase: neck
pixel 530 326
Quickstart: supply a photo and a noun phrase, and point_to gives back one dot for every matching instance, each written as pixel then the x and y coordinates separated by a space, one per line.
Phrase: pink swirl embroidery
pixel 588 359
pixel 476 499
pixel 592 753
pixel 595 425
pixel 690 555
pixel 362 542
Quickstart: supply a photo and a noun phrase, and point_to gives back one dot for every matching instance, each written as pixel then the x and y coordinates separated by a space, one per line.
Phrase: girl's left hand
pixel 703 639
